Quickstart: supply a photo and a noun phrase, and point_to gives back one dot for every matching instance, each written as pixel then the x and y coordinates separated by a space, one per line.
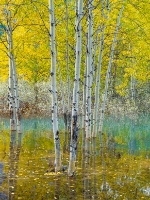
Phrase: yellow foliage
pixel 30 21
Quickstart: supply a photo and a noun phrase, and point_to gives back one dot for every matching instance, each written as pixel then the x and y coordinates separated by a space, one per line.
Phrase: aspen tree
pixel 94 50
pixel 97 87
pixel 11 80
pixel 89 71
pixel 68 115
pixel 63 99
pixel 54 89
pixel 84 109
pixel 15 117
pixel 108 76
pixel 84 99
pixel 89 79
pixel 74 125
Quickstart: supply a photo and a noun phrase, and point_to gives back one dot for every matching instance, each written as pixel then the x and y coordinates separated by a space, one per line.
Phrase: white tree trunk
pixel 89 70
pixel 74 125
pixel 89 83
pixel 108 75
pixel 94 51
pixel 54 90
pixel 13 86
pixel 67 65
pixel 17 107
pixel 97 87
pixel 62 103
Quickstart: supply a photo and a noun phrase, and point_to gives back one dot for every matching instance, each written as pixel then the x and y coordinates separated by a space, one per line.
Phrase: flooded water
pixel 120 170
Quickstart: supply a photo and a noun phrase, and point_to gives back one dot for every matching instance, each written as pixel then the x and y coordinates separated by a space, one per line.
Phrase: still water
pixel 120 170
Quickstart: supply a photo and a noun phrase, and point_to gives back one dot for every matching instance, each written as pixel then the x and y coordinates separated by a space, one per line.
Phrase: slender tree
pixel 15 116
pixel 74 125
pixel 89 80
pixel 68 114
pixel 54 89
pixel 11 96
pixel 97 87
pixel 89 69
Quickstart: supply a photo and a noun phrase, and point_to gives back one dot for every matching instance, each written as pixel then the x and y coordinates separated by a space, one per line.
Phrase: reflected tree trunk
pixel 104 186
pixel 87 190
pixel 15 148
pixel 72 187
pixel 95 195
pixel 57 188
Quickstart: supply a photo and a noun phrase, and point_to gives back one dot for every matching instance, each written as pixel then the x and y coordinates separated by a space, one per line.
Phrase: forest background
pixel 130 73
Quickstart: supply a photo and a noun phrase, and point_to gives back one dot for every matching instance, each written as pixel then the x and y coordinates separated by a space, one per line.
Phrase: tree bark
pixel 15 116
pixel 54 89
pixel 97 87
pixel 74 125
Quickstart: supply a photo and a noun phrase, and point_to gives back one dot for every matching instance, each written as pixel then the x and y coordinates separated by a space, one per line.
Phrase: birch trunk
pixel 74 125
pixel 89 71
pixel 67 67
pixel 54 90
pixel 62 102
pixel 84 111
pixel 17 107
pixel 97 87
pixel 84 102
pixel 89 82
pixel 12 77
pixel 95 49
pixel 68 110
pixel 108 76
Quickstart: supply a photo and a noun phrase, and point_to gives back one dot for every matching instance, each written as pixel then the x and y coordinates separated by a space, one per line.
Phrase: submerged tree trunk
pixel 11 95
pixel 54 90
pixel 74 125
pixel 62 103
pixel 89 81
pixel 89 71
pixel 15 116
pixel 17 106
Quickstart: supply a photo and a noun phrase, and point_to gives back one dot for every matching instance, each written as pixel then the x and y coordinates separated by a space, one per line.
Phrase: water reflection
pixel 15 147
pixel 109 174
pixel 94 196
pixel 2 178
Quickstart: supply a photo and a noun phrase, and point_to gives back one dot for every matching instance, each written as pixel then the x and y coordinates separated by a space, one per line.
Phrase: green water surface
pixel 121 170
